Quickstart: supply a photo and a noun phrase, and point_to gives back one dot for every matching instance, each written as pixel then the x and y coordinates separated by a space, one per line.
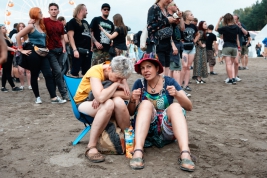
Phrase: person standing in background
pixel 13 31
pixel 100 43
pixel 210 44
pixel 219 49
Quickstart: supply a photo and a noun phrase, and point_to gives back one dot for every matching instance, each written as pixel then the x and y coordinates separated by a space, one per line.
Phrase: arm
pixel 134 100
pixel 182 26
pixel 94 41
pixel 249 40
pixel 183 100
pixel 121 94
pixel 22 33
pixel 3 49
pixel 72 43
pixel 197 37
pixel 63 43
pixel 101 94
pixel 174 48
pixel 217 25
pixel 114 35
pixel 66 38
pixel 238 43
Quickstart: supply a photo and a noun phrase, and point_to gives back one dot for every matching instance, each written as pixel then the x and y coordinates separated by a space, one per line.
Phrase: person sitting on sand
pixel 107 101
pixel 158 120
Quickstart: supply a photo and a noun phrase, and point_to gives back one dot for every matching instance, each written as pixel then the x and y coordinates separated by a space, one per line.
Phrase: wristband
pixel 75 50
pixel 239 49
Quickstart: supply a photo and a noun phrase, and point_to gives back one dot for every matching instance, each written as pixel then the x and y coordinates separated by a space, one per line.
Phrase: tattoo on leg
pixel 185 59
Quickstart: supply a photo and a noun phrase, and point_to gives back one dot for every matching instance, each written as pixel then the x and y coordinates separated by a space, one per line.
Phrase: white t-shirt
pixel 220 43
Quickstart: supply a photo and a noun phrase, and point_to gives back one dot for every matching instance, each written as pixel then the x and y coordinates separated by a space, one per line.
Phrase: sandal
pixel 137 163
pixel 94 157
pixel 187 161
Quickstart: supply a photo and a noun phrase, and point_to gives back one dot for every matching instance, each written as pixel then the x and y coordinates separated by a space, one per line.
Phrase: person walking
pixel 56 46
pixel 3 49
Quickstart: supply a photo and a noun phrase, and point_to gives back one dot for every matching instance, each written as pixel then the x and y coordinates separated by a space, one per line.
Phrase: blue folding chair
pixel 72 85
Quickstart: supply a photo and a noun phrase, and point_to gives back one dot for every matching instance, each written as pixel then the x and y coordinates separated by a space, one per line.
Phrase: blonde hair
pixel 76 11
pixel 185 14
pixel 157 1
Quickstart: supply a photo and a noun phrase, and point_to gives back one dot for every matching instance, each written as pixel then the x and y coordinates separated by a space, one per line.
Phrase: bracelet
pixel 75 50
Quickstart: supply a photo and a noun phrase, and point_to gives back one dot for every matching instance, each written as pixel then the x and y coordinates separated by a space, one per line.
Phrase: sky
pixel 134 12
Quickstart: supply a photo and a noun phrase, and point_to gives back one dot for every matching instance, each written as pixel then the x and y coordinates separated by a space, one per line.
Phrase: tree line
pixel 254 17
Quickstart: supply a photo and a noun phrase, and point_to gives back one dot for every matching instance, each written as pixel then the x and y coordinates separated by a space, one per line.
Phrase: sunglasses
pixel 105 9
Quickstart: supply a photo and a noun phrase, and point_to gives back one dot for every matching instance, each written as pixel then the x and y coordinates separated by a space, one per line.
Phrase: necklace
pixel 153 88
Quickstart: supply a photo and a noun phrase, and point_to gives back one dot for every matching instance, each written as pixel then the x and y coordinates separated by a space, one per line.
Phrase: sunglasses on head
pixel 105 9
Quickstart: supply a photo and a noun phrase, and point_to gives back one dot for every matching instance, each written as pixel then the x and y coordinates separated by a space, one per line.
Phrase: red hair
pixel 34 14
pixel 200 27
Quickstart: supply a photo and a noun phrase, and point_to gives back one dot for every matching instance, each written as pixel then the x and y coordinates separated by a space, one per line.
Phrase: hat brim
pixel 154 61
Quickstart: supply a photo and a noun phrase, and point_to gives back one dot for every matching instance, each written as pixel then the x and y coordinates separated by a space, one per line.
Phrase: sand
pixel 227 134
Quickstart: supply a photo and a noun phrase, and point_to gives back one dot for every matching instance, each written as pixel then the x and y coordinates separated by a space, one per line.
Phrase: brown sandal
pixel 94 157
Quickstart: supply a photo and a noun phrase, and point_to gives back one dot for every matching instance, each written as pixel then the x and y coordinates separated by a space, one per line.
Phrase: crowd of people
pixel 100 51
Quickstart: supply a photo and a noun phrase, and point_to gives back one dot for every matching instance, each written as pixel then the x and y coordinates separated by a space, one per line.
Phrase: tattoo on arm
pixel 92 36
pixel 184 58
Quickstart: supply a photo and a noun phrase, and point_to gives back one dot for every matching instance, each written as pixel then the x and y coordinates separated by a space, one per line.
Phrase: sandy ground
pixel 227 133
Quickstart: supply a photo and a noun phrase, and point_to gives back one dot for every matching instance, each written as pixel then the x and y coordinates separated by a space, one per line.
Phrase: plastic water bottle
pixel 129 141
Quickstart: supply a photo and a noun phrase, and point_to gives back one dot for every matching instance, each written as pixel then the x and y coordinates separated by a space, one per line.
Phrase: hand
pixel 64 50
pixel 221 18
pixel 172 90
pixel 172 20
pixel 31 21
pixel 125 89
pixel 26 52
pixel 95 104
pixel 203 45
pixel 76 54
pixel 180 14
pixel 136 94
pixel 98 45
pixel 175 51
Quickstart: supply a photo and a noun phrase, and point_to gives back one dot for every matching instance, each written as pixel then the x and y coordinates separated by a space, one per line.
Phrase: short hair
pixel 61 18
pixel 15 25
pixel 195 20
pixel 53 4
pixel 122 66
pixel 210 27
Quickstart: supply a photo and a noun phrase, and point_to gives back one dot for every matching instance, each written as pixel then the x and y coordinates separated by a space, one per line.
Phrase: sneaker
pixel 38 100
pixel 58 100
pixel 233 81
pixel 67 98
pixel 245 68
pixel 213 73
pixel 240 68
pixel 16 89
pixel 30 87
pixel 21 87
pixel 226 80
pixel 230 81
pixel 188 94
pixel 3 89
pixel 237 79
pixel 187 88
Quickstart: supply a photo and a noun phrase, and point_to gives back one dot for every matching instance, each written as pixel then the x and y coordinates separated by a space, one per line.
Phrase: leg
pixel 7 68
pixel 180 131
pixel 101 118
pixel 75 67
pixel 235 72
pixel 86 63
pixel 21 75
pixel 187 73
pixel 121 112
pixel 185 66
pixel 57 75
pixel 49 80
pixel 229 67
pixel 28 75
pixel 143 120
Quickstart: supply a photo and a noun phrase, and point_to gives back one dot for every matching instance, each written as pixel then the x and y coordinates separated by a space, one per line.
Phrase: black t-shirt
pixel 120 40
pixel 229 35
pixel 138 36
pixel 210 38
pixel 82 35
pixel 189 33
pixel 107 25
pixel 241 34
pixel 246 39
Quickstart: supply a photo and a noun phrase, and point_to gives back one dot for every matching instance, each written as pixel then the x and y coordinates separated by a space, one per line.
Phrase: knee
pixel 108 106
pixel 176 107
pixel 119 103
pixel 145 104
